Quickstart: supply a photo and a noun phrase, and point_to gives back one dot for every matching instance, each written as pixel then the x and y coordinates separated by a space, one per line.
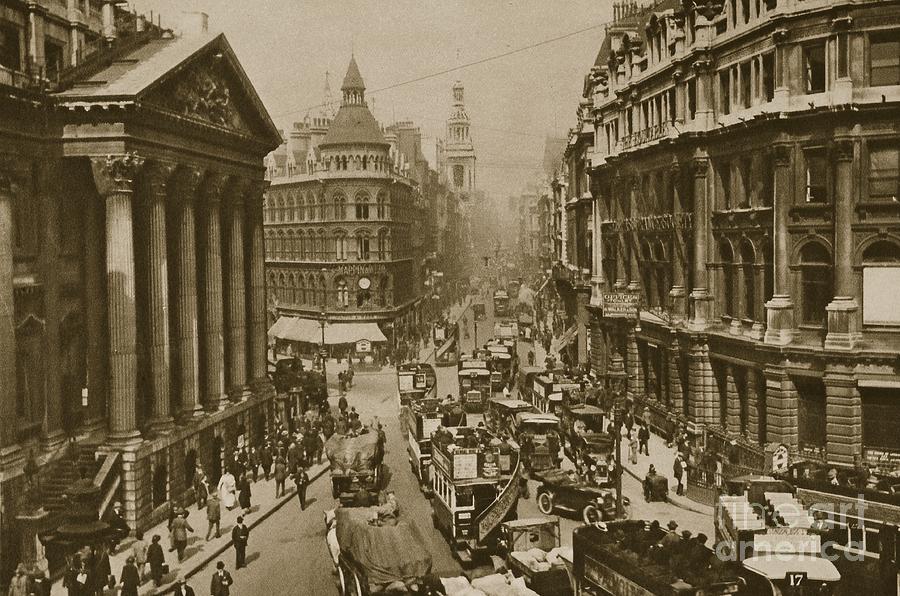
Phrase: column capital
pixel 843 149
pixel 213 187
pixel 157 175
pixel 700 166
pixel 116 173
pixel 782 153
pixel 255 191
pixel 235 192
pixel 186 180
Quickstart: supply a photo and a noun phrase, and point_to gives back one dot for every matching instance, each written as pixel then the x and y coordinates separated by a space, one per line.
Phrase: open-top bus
pixel 446 340
pixel 421 419
pixel 415 380
pixel 474 384
pixel 475 484
pixel 501 303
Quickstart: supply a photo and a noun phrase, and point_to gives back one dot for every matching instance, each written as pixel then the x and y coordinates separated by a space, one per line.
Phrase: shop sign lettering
pixel 610 581
pixel 498 510
pixel 620 304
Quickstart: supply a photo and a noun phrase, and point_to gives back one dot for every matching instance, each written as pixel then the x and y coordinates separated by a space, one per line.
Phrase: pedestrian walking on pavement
pixel 239 536
pixel 18 585
pixel 200 489
pixel 102 568
pixel 280 476
pixel 182 588
pixel 244 494
pixel 643 436
pixel 157 559
pixel 301 479
pixel 139 552
pixel 130 579
pixel 221 581
pixel 633 449
pixel 265 460
pixel 678 471
pixel 180 529
pixel 213 514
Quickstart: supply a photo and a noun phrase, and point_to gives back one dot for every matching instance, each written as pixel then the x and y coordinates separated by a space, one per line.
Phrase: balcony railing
pixel 646 135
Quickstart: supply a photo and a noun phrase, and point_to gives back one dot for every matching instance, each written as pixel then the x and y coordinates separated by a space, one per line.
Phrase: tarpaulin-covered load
pixel 387 553
pixel 351 454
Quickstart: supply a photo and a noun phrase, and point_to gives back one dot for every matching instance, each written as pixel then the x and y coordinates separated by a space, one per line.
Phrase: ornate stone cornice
pixel 116 173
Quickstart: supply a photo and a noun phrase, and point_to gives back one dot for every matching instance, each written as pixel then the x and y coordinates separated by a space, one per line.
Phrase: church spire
pixel 353 87
pixel 327 98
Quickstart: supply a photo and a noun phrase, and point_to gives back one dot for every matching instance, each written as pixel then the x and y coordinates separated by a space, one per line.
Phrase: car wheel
pixel 545 503
pixel 590 514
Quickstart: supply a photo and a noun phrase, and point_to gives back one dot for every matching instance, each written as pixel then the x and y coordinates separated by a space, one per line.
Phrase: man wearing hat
pixel 182 588
pixel 115 517
pixel 156 559
pixel 221 581
pixel 130 578
pixel 180 528
pixel 239 536
pixel 671 539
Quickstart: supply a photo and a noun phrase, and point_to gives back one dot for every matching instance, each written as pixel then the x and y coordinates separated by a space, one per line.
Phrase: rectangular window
pixel 692 98
pixel 10 55
pixel 54 58
pixel 884 174
pixel 768 76
pixel 672 103
pixel 884 59
pixel 745 10
pixel 843 55
pixel 814 67
pixel 745 79
pixel 816 176
pixel 724 92
pixel 725 184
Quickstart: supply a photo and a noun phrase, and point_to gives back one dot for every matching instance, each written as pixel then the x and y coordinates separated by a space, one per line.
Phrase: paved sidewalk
pixel 662 457
pixel 200 552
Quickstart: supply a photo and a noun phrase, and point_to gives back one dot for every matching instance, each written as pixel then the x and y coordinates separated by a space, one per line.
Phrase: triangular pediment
pixel 211 87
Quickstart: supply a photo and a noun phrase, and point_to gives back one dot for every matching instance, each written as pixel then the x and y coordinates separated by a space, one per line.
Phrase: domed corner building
pixel 343 237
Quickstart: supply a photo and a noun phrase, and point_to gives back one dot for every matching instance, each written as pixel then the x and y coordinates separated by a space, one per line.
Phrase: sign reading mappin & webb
pixel 621 304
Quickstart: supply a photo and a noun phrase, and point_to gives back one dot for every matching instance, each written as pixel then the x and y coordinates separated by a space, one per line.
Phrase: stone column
pixel 235 293
pixel 96 317
pixel 732 402
pixel 257 303
pixel 782 404
pixel 843 414
pixel 780 309
pixel 8 429
pixel 597 257
pixel 635 386
pixel 700 292
pixel 634 249
pixel 677 295
pixel 702 395
pixel 752 405
pixel 676 390
pixel 211 324
pixel 186 182
pixel 843 312
pixel 157 185
pixel 114 177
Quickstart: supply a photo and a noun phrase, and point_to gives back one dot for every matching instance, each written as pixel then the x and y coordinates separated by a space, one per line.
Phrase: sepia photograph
pixel 450 297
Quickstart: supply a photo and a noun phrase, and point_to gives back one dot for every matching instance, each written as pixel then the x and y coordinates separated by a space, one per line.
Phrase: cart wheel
pixel 545 503
pixel 591 515
pixel 357 591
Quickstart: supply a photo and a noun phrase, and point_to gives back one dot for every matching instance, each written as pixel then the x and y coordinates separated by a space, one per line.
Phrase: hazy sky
pixel 286 46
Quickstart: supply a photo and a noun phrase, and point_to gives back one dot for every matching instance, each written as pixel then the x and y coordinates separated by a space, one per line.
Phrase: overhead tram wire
pixel 462 66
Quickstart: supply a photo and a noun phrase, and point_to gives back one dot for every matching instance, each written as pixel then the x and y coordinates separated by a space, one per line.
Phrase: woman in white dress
pixel 227 489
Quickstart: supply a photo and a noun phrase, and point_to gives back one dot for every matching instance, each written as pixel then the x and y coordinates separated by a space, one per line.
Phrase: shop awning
pixel 310 331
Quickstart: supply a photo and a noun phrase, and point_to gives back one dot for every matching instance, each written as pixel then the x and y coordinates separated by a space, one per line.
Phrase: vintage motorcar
pixel 565 491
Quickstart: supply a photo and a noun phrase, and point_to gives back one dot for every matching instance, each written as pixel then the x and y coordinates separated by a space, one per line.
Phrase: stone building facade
pixel 346 237
pixel 132 294
pixel 744 178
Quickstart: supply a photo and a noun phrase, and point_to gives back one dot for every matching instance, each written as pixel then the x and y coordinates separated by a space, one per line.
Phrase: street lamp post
pixel 323 320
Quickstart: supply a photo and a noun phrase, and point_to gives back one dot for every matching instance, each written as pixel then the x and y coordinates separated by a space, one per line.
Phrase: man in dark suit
pixel 221 581
pixel 301 479
pixel 183 589
pixel 239 536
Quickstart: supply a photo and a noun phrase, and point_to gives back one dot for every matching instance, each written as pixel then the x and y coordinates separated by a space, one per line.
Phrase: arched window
pixel 362 246
pixel 882 251
pixel 291 207
pixel 321 249
pixel 881 261
pixel 340 246
pixel 301 289
pixel 279 249
pixel 301 208
pixel 817 286
pixel 662 273
pixel 323 291
pixel 343 293
pixel 768 270
pixel 365 163
pixel 289 247
pixel 340 206
pixel 384 249
pixel 646 267
pixel 362 206
pixel 282 284
pixel 301 245
pixel 381 210
pixel 726 259
pixel 609 262
pixel 270 248
pixel 326 206
pixel 748 272
pixel 343 162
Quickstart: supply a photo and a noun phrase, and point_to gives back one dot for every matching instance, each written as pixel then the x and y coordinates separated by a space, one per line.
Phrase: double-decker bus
pixel 415 380
pixel 474 384
pixel 475 483
pixel 501 303
pixel 421 419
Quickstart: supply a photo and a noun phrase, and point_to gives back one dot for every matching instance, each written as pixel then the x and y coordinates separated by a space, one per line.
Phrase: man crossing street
pixel 301 479
pixel 239 536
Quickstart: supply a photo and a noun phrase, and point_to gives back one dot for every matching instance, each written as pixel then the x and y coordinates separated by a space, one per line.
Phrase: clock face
pixel 364 283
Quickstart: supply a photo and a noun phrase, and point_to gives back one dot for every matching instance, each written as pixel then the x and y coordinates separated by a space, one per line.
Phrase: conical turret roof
pixel 353 80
